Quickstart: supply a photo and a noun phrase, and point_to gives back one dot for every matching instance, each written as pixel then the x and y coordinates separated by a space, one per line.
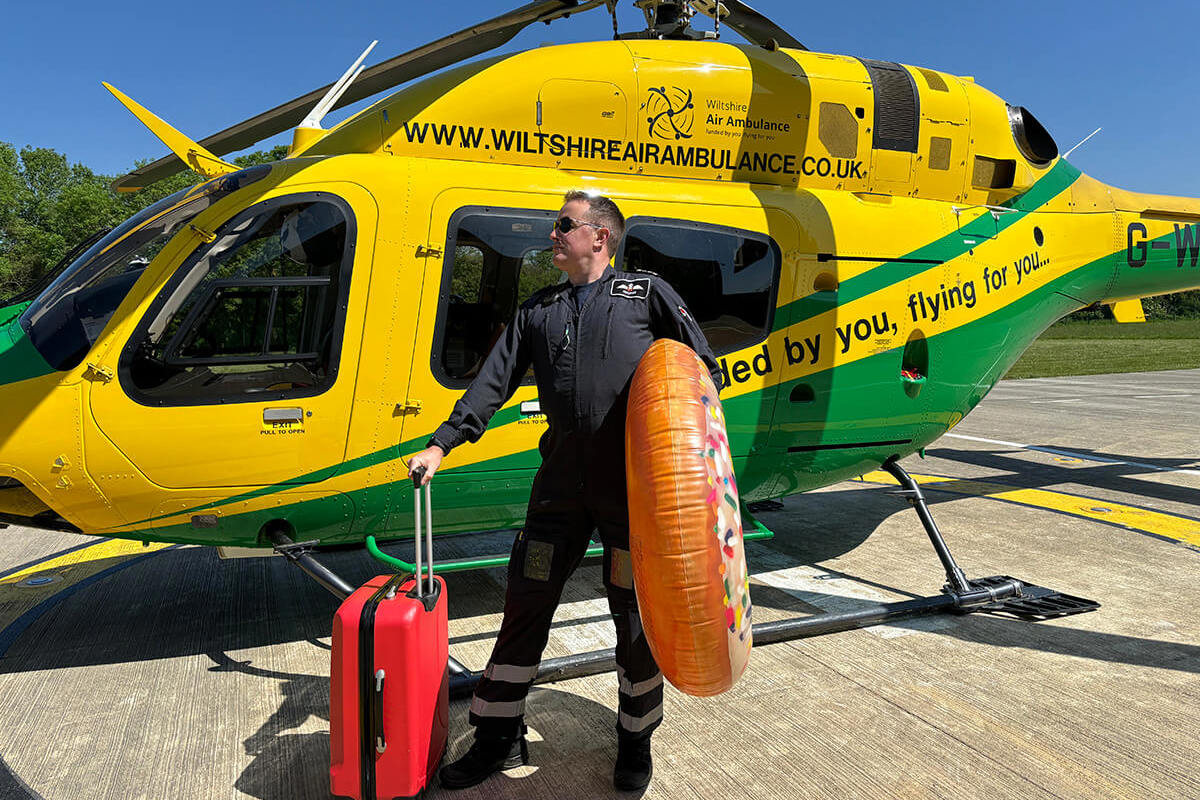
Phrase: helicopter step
pixel 1021 599
pixel 1034 603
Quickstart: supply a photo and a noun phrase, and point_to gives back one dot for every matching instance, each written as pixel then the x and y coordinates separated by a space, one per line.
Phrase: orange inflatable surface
pixel 685 528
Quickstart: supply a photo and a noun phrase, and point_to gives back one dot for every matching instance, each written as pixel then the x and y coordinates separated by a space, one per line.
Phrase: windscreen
pixel 65 320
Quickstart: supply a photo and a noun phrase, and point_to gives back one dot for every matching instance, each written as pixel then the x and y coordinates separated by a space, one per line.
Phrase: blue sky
pixel 1129 68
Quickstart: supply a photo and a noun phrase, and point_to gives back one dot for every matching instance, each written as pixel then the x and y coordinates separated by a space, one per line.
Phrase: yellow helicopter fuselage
pixel 868 246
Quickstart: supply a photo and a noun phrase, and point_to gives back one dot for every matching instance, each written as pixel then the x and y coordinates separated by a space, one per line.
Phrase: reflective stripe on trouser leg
pixel 510 673
pixel 640 704
pixel 518 680
pixel 640 693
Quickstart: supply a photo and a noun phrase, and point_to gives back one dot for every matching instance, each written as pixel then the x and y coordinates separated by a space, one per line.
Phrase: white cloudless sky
pixel 1129 68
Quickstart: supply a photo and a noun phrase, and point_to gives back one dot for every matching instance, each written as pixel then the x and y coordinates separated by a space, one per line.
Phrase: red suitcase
pixel 389 691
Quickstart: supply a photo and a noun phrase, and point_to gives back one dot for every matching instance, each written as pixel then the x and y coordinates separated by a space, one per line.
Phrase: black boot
pixel 634 766
pixel 486 756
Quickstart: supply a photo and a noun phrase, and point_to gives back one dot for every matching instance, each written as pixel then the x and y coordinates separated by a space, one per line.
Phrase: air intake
pixel 897 109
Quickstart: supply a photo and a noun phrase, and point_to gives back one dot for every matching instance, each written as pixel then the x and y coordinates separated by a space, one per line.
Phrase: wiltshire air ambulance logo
pixel 670 112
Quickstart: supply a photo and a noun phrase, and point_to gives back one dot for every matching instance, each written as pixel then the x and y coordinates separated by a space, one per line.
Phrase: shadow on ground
pixel 188 602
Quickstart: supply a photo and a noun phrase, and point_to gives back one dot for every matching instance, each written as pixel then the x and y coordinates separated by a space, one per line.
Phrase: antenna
pixel 313 120
pixel 713 9
pixel 1076 147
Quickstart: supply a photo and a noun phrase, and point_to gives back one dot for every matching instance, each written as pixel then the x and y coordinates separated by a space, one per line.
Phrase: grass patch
pixel 1094 347
pixel 1108 329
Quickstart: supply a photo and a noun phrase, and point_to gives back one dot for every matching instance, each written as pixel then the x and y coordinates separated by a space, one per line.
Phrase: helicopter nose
pixel 33 407
pixel 20 391
pixel 19 359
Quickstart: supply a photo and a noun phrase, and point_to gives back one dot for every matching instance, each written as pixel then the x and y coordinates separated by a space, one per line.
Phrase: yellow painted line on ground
pixel 110 548
pixel 1168 526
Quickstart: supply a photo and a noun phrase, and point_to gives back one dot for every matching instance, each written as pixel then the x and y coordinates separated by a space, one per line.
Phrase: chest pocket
pixel 550 338
pixel 626 333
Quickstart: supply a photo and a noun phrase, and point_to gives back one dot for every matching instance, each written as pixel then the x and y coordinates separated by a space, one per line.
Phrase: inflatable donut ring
pixel 685 526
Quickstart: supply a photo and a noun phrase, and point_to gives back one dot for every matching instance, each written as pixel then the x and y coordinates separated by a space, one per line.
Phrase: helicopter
pixel 868 247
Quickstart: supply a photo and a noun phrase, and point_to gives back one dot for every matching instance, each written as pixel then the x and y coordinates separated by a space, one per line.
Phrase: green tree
pixel 48 206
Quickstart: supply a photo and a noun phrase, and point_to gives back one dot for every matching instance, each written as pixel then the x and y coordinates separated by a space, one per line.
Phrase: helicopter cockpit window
pixel 1034 141
pixel 726 276
pixel 255 314
pixel 500 258
pixel 65 320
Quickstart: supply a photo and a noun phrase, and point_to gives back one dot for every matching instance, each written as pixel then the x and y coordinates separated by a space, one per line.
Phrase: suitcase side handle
pixel 377 712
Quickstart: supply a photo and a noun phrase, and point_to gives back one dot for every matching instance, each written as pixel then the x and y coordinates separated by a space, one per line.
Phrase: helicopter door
pixel 241 371
pixel 729 271
pixel 490 251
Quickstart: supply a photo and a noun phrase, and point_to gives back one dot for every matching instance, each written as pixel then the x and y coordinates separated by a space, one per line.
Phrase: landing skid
pixel 998 594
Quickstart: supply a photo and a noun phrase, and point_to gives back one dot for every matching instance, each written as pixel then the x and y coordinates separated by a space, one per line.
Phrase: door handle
pixel 282 415
pixel 531 407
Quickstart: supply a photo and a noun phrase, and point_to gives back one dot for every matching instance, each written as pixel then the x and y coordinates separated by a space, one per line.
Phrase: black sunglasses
pixel 567 224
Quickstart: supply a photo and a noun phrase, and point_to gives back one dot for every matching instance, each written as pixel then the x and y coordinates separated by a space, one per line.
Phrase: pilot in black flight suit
pixel 584 339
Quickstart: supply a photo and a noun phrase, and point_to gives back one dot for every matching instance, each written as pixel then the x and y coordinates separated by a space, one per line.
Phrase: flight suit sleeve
pixel 671 319
pixel 498 378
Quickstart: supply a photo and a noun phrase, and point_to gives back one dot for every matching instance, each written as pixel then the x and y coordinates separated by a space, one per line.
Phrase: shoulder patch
pixel 630 288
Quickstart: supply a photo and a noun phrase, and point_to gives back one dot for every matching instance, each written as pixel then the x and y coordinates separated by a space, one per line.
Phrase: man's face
pixel 574 248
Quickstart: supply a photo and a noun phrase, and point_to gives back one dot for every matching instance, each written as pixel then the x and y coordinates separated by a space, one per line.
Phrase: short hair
pixel 603 211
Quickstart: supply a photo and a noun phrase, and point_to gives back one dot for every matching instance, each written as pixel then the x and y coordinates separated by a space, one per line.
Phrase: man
pixel 584 338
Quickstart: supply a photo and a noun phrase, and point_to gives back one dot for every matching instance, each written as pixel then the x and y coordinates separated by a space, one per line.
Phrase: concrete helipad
pixel 168 673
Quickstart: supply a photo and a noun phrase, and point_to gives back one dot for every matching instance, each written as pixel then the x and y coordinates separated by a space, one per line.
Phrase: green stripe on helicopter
pixel 375 509
pixel 947 248
pixel 1057 180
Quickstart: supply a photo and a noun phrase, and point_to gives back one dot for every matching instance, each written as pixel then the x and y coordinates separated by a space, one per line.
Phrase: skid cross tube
pixel 300 554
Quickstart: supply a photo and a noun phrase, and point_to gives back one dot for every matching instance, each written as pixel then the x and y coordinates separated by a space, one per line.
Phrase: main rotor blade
pixel 756 28
pixel 448 50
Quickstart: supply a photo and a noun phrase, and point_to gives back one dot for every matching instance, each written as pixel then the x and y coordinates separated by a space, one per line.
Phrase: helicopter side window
pixel 501 257
pixel 726 276
pixel 255 314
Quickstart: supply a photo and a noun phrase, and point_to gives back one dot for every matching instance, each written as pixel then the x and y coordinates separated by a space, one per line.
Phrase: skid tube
pixel 960 595
pixel 463 680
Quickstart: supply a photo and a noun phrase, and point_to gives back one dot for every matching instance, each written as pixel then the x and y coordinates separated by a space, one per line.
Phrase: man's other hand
pixel 430 458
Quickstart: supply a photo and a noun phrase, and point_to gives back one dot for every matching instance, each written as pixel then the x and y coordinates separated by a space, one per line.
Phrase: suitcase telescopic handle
pixel 418 475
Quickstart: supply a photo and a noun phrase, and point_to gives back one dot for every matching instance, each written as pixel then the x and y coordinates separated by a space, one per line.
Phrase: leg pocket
pixel 620 568
pixel 538 561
